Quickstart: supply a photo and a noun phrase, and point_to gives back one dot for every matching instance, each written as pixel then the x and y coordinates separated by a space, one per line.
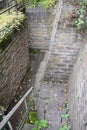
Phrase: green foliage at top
pixel 81 20
pixel 44 3
pixel 40 124
pixel 19 1
pixel 47 3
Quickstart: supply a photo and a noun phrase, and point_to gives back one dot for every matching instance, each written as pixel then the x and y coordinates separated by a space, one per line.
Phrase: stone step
pixel 28 127
pixel 64 52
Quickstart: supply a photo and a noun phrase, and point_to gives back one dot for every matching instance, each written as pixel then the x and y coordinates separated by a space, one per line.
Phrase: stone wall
pixel 39 27
pixel 78 92
pixel 14 61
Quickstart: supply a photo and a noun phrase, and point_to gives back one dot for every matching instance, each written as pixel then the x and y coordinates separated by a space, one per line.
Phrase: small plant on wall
pixel 81 12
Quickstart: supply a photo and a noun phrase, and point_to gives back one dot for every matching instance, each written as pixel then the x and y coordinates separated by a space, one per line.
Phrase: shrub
pixel 9 23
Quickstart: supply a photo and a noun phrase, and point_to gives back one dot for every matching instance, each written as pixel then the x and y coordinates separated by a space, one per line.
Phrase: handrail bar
pixel 5 10
pixel 9 115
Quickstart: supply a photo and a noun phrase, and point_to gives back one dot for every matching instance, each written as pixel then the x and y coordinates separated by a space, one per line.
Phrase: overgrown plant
pixel 9 23
pixel 40 124
pixel 81 20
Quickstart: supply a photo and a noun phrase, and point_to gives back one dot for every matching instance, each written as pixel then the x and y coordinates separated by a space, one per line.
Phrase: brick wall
pixel 14 61
pixel 39 27
pixel 78 92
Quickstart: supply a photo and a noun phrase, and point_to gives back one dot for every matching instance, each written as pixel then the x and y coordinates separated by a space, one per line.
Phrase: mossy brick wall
pixel 39 27
pixel 14 62
pixel 78 92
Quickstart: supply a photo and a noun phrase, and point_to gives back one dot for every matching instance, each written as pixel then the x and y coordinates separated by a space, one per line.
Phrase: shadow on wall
pixel 78 92
pixel 2 3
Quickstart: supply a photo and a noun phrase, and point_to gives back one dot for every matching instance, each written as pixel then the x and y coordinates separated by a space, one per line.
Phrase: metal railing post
pixel 11 113
pixel 33 99
pixel 7 4
pixel 26 106
pixel 16 9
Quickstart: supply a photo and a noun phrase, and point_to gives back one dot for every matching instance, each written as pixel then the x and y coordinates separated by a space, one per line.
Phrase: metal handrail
pixel 10 7
pixel 5 10
pixel 10 114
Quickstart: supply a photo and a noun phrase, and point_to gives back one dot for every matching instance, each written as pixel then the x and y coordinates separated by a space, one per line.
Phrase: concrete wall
pixel 39 27
pixel 78 91
pixel 14 61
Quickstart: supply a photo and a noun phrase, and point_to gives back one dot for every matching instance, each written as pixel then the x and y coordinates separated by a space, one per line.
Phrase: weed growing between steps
pixel 33 119
pixel 33 116
pixel 40 124
pixel 66 116
pixel 65 127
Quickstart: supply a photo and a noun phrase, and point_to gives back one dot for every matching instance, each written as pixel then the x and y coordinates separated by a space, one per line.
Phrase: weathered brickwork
pixel 39 27
pixel 14 61
pixel 78 92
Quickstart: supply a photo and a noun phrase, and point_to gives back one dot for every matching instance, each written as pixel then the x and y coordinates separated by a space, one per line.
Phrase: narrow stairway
pixel 52 89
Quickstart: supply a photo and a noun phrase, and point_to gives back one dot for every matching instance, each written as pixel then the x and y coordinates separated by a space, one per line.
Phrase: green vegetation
pixel 34 51
pixel 40 124
pixel 65 127
pixel 8 24
pixel 19 1
pixel 65 116
pixel 2 109
pixel 81 12
pixel 77 97
pixel 44 3
pixel 68 106
pixel 11 21
pixel 33 116
pixel 48 3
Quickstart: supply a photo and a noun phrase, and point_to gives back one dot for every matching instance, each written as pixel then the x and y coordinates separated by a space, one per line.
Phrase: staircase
pixel 65 44
pixel 63 55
